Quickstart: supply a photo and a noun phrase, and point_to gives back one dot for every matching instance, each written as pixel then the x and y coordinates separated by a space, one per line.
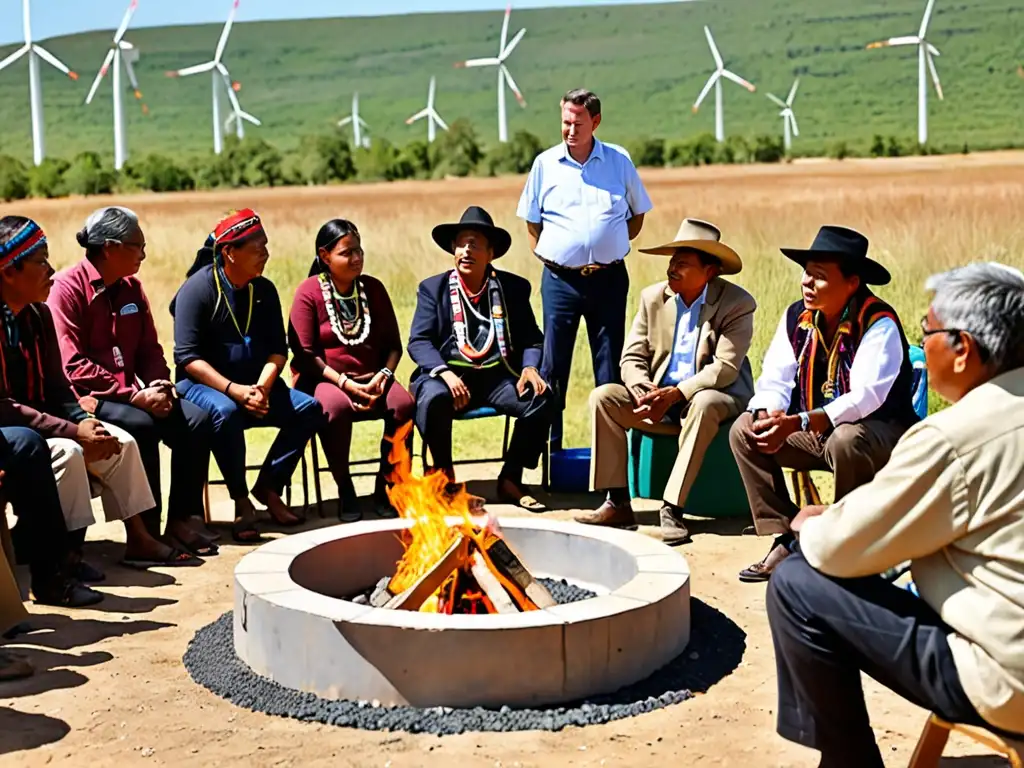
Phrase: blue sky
pixel 51 18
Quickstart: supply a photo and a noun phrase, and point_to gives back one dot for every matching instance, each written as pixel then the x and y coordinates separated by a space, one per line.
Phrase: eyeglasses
pixel 926 331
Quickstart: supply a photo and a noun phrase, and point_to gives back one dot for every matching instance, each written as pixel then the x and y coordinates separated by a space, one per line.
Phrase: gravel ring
pixel 716 648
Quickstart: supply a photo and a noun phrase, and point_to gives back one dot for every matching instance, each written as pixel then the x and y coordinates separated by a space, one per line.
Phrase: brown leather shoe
pixel 673 531
pixel 762 571
pixel 611 516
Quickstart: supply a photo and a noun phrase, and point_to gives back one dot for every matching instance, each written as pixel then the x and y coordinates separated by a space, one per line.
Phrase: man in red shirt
pixel 109 347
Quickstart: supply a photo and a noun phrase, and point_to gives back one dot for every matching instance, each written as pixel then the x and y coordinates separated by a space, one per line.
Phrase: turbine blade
pixel 52 60
pixel 14 57
pixel 792 93
pixel 126 21
pixel 345 121
pixel 792 122
pixel 418 116
pixel 480 63
pixel 26 21
pixel 935 76
pixel 223 42
pixel 197 69
pixel 99 76
pixel 714 48
pixel 364 124
pixel 132 79
pixel 927 18
pixel 513 86
pixel 512 46
pixel 738 80
pixel 776 100
pixel 707 89
pixel 124 45
pixel 437 119
pixel 933 50
pixel 504 28
pixel 251 118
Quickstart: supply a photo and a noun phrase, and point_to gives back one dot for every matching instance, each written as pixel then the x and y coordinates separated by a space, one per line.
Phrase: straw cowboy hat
pixel 478 220
pixel 847 246
pixel 704 237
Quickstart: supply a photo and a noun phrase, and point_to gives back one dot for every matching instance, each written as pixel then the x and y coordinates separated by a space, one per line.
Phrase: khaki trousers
pixel 119 481
pixel 853 453
pixel 612 416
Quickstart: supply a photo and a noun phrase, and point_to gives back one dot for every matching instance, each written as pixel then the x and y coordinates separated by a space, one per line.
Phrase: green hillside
pixel 648 62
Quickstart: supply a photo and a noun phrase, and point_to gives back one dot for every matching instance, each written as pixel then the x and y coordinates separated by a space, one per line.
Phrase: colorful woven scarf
pixel 24 242
pixel 34 374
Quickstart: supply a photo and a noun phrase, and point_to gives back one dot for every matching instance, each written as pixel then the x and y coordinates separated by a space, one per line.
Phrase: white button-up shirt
pixel 684 349
pixel 875 368
pixel 584 208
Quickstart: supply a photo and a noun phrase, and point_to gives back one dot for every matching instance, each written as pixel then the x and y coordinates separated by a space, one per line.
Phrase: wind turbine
pixel 504 76
pixel 121 52
pixel 716 81
pixel 358 124
pixel 35 87
pixel 238 117
pixel 789 126
pixel 925 62
pixel 220 75
pixel 433 118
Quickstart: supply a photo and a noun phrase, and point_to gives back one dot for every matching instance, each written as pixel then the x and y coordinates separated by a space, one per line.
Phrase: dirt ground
pixel 111 690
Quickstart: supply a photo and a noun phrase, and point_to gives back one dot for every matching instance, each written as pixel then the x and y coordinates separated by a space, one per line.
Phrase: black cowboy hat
pixel 478 220
pixel 844 245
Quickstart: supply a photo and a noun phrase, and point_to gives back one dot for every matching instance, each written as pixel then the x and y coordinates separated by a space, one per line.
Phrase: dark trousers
pixel 853 453
pixel 494 387
pixel 40 538
pixel 395 407
pixel 187 431
pixel 296 415
pixel 827 631
pixel 600 299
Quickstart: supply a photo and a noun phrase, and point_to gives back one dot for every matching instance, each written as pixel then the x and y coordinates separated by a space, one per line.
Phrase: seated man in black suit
pixel 476 343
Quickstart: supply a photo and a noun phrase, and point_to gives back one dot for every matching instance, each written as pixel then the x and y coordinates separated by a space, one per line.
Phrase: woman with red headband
pixel 346 345
pixel 229 349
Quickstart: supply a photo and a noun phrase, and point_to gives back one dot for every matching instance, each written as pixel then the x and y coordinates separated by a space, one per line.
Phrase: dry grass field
pixel 921 214
pixel 110 688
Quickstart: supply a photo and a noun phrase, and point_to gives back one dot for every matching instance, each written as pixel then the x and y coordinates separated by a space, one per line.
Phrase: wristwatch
pixel 805 422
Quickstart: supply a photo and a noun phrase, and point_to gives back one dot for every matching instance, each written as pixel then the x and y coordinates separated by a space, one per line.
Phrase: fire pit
pixel 294 625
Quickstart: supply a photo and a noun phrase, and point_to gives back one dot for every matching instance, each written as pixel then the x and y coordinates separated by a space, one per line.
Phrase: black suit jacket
pixel 432 324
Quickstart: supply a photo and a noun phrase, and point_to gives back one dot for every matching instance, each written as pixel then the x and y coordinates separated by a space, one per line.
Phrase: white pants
pixel 119 481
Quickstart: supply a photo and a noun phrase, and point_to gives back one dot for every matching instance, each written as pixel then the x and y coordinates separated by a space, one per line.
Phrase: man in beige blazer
pixel 685 371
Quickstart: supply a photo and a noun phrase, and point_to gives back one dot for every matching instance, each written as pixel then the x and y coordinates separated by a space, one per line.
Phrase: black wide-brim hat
pixel 846 246
pixel 478 220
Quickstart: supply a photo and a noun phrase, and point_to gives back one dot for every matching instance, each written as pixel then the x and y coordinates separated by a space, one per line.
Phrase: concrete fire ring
pixel 291 626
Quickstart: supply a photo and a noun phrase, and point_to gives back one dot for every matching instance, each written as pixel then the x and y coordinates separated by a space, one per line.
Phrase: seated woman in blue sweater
pixel 229 349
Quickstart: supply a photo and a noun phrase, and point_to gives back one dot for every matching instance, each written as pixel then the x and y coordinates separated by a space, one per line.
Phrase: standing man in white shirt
pixel 583 203
pixel 835 391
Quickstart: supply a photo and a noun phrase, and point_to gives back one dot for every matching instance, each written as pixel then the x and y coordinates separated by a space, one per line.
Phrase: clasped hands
pixel 157 399
pixel 770 430
pixel 529 379
pixel 652 403
pixel 364 396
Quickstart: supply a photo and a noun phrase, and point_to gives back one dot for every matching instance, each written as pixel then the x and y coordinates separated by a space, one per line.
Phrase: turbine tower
pixel 220 75
pixel 716 81
pixel 789 126
pixel 358 125
pixel 35 87
pixel 925 63
pixel 434 120
pixel 238 117
pixel 121 53
pixel 504 76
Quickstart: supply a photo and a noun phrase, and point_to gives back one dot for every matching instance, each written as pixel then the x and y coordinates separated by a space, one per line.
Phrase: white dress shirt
pixel 875 368
pixel 681 365
pixel 584 208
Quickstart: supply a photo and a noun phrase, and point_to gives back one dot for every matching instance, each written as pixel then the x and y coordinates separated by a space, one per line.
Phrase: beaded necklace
pixel 350 333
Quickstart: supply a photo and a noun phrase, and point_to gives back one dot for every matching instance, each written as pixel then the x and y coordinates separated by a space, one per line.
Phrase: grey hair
pixel 113 223
pixel 985 300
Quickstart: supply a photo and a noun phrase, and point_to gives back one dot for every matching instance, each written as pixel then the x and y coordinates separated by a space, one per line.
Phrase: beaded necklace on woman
pixel 349 315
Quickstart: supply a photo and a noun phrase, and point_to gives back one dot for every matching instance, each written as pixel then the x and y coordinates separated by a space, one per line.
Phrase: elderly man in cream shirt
pixel 951 501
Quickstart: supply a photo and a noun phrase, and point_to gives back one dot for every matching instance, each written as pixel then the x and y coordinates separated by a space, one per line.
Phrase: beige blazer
pixel 726 327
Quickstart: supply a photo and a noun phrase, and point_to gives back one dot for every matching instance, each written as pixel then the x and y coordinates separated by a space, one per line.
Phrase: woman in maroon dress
pixel 346 345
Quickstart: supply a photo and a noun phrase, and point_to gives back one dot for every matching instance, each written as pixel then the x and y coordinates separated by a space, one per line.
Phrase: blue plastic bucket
pixel 570 470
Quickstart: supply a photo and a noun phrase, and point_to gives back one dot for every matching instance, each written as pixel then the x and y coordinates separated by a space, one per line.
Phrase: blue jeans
pixel 295 414
pixel 600 299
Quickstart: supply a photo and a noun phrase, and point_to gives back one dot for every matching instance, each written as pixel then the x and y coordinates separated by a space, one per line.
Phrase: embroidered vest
pixel 823 374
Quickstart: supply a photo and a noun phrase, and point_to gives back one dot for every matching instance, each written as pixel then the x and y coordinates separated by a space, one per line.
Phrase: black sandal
pixel 178 558
pixel 245 532
pixel 197 546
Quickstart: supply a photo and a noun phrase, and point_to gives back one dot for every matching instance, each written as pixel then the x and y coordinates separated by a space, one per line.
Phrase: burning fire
pixel 429 502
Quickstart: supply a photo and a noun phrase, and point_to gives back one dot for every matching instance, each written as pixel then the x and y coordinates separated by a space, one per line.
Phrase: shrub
pixel 734 149
pixel 47 179
pixel 14 182
pixel 322 159
pixel 87 176
pixel 378 162
pixel 159 173
pixel 261 164
pixel 516 156
pixel 457 152
pixel 840 151
pixel 701 150
pixel 416 157
pixel 647 152
pixel 768 149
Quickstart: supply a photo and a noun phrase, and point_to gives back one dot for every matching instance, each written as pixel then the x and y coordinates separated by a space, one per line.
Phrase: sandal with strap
pixel 177 559
pixel 198 546
pixel 762 571
pixel 245 532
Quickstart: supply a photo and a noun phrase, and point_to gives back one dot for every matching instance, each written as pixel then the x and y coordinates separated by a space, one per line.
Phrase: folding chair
pixel 936 732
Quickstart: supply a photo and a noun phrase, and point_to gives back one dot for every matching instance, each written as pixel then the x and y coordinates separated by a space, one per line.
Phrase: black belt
pixel 587 271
